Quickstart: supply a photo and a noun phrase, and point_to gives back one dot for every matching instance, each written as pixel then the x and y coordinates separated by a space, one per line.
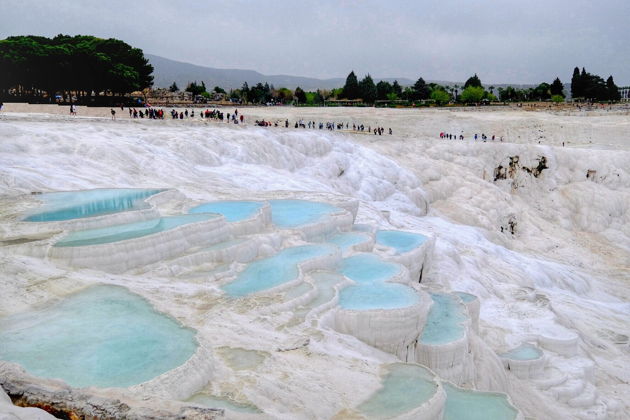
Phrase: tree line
pixel 36 67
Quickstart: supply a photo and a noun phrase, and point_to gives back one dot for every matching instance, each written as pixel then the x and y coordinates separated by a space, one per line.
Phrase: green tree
pixel 542 92
pixel 472 94
pixel 473 81
pixel 195 89
pixel 396 88
pixel 245 92
pixel 367 89
pixel 351 88
pixel 440 96
pixel 421 90
pixel 173 87
pixel 299 95
pixel 556 88
pixel 218 89
pixel 557 99
pixel 613 90
pixel 383 89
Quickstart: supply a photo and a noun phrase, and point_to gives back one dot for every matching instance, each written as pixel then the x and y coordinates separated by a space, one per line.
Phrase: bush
pixel 557 99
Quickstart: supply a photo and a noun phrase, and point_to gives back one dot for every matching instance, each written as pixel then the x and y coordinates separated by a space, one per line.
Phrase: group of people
pixel 446 136
pixel 329 125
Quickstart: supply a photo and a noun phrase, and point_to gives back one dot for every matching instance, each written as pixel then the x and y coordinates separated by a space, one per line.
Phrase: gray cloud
pixel 501 40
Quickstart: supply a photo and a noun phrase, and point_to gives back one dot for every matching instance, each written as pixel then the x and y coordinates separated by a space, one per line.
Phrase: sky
pixel 503 41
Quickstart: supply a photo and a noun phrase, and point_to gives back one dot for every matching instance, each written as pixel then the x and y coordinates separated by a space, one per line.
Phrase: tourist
pixel 113 113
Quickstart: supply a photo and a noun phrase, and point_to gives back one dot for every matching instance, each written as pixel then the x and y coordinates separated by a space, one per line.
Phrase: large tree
pixel 576 84
pixel 351 88
pixel 383 89
pixel 421 90
pixel 556 88
pixel 473 81
pixel 613 90
pixel 367 89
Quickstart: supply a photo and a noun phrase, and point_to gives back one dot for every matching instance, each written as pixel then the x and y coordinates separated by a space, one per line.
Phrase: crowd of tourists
pixel 446 136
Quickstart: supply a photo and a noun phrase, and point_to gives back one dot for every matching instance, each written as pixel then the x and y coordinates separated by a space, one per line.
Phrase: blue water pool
pixel 401 241
pixel 274 271
pixel 444 323
pixel 405 387
pixel 104 336
pixel 524 352
pixel 372 290
pixel 79 204
pixel 130 230
pixel 348 239
pixel 211 401
pixel 233 211
pixel 294 213
pixel 462 404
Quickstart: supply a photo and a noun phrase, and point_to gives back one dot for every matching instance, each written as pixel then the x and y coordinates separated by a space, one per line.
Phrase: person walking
pixel 113 112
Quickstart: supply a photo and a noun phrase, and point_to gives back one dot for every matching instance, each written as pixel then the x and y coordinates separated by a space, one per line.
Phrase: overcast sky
pixel 526 41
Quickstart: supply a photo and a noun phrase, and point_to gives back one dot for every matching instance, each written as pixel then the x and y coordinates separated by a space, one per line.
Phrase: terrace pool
pixel 444 323
pixel 462 404
pixel 347 239
pixel 294 213
pixel 372 290
pixel 104 336
pixel 401 241
pixel 523 352
pixel 271 272
pixel 130 230
pixel 233 211
pixel 60 206
pixel 405 387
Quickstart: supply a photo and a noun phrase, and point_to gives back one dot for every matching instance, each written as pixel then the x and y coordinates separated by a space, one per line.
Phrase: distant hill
pixel 168 71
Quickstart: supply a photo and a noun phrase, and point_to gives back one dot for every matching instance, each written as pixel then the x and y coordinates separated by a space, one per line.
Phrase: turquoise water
pixel 79 204
pixel 372 290
pixel 465 297
pixel 401 241
pixel 211 401
pixel 405 387
pixel 104 336
pixel 346 240
pixel 444 323
pixel 293 213
pixel 473 405
pixel 233 211
pixel 274 271
pixel 524 352
pixel 130 230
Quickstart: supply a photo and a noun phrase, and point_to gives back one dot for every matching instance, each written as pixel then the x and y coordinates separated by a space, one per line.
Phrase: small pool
pixel 294 213
pixel 444 323
pixel 466 297
pixel 373 291
pixel 401 241
pixel 348 239
pixel 211 401
pixel 405 387
pixel 60 206
pixel 271 272
pixel 104 336
pixel 233 211
pixel 129 230
pixel 523 352
pixel 462 404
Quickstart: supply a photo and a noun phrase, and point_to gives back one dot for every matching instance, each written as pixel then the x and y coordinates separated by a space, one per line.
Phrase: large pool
pixel 445 321
pixel 104 336
pixel 274 271
pixel 405 387
pixel 233 211
pixel 294 213
pixel 462 404
pixel 130 230
pixel 401 241
pixel 372 290
pixel 79 204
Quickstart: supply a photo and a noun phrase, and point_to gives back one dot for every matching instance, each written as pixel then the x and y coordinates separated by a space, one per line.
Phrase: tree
pixel 613 90
pixel 299 95
pixel 245 92
pixel 472 94
pixel 173 87
pixel 421 90
pixel 383 89
pixel 542 92
pixel 218 89
pixel 556 88
pixel 576 85
pixel 367 89
pixel 473 81
pixel 351 88
pixel 440 96
pixel 557 99
pixel 396 88
pixel 195 89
